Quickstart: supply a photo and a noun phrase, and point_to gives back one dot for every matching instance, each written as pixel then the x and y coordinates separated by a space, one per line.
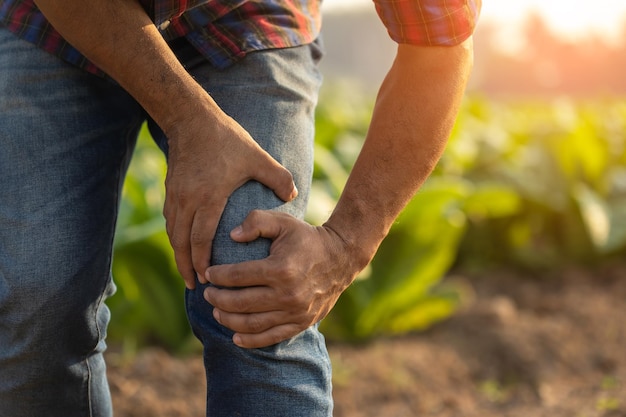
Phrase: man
pixel 228 89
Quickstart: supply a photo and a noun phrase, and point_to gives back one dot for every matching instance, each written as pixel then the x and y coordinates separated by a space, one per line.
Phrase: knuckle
pixel 198 238
pixel 288 181
pixel 207 195
pixel 255 215
pixel 240 305
pixel 286 177
pixel 182 197
pixel 177 243
pixel 254 324
pixel 296 297
pixel 301 299
pixel 288 271
pixel 290 283
pixel 236 276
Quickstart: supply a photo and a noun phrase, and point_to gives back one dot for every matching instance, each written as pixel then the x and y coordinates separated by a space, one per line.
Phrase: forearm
pixel 120 38
pixel 413 116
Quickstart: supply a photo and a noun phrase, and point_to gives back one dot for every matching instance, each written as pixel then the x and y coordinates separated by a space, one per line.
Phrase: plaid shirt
pixel 226 30
pixel 429 22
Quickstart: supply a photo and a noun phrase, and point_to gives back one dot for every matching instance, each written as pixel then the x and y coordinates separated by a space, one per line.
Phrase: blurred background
pixel 527 48
pixel 521 226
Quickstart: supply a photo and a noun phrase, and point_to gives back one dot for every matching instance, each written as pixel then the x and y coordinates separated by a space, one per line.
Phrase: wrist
pixel 360 235
pixel 183 111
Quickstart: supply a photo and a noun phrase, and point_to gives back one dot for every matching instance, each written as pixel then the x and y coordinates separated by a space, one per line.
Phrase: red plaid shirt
pixel 429 22
pixel 226 30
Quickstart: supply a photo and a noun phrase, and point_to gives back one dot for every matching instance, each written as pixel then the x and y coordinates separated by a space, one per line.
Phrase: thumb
pixel 276 177
pixel 259 223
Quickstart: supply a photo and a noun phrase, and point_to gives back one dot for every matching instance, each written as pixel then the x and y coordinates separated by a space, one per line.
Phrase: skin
pixel 308 267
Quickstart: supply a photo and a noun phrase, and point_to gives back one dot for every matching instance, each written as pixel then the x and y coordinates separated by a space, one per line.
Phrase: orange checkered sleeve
pixel 429 22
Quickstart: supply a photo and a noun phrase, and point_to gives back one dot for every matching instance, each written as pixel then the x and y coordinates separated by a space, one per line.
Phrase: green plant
pixel 565 159
pixel 400 291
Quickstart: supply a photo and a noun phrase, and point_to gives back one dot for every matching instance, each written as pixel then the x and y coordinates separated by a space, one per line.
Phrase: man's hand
pixel 270 300
pixel 208 160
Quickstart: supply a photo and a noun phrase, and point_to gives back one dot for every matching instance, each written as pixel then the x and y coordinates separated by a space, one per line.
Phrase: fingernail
pixel 237 339
pixel 216 315
pixel 237 231
pixel 294 193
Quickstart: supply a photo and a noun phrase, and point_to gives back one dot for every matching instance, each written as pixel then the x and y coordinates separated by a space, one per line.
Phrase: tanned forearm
pixel 413 116
pixel 119 37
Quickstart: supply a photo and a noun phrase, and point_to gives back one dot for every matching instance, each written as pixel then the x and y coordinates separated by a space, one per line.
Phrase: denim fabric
pixel 66 138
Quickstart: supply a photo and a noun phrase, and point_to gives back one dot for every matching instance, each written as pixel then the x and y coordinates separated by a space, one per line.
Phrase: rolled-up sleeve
pixel 429 22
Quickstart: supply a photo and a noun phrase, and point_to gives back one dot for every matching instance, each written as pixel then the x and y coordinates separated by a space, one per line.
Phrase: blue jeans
pixel 66 138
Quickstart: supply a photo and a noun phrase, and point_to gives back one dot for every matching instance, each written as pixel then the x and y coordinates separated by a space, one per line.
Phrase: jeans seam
pixel 89 378
pixel 101 299
pixel 118 194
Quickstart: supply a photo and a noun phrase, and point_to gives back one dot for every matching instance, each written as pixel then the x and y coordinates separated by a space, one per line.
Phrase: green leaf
pixel 404 284
pixel 595 214
pixel 491 200
pixel 423 313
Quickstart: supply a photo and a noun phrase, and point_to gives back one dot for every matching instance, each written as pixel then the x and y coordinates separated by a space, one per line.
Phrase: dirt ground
pixel 551 345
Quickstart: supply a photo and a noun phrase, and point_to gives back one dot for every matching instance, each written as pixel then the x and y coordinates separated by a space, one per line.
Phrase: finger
pixel 270 337
pixel 245 274
pixel 275 176
pixel 201 239
pixel 259 223
pixel 179 239
pixel 169 213
pixel 251 323
pixel 241 300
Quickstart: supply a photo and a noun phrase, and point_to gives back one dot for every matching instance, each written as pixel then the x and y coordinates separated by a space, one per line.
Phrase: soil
pixel 532 345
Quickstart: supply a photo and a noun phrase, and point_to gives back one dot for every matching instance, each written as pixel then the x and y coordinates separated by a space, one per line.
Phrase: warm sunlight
pixel 602 17
pixel 568 18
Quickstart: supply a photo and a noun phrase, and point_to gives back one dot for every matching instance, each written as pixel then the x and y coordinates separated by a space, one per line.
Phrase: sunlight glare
pixel 565 17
